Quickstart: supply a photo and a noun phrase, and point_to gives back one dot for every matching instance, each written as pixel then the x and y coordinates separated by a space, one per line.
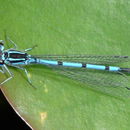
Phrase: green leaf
pixel 65 27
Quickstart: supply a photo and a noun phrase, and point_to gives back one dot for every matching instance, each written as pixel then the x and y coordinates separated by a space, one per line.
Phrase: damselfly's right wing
pixel 115 84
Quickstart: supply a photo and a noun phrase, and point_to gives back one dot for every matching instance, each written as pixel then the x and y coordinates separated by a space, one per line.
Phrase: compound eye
pixel 2 42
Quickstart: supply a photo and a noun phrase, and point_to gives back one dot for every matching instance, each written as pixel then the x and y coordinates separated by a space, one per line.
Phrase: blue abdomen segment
pixel 112 68
pixel 69 64
pixel 97 67
pixel 49 62
pixel 45 62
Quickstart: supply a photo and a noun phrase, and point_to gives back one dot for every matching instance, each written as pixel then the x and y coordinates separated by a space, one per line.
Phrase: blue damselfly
pixel 79 67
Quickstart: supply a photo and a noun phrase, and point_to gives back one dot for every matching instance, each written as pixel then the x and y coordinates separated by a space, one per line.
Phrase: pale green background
pixel 66 27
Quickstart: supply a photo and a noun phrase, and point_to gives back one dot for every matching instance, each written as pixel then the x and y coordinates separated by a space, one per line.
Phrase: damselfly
pixel 85 68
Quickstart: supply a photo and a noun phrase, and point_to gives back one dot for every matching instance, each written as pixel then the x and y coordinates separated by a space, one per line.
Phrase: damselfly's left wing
pixel 91 59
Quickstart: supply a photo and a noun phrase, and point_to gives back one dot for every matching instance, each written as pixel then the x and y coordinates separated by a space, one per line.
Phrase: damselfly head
pixel 2 42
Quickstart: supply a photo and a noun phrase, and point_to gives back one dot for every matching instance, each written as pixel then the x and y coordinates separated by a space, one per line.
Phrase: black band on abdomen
pixel 107 68
pixel 83 65
pixel 60 63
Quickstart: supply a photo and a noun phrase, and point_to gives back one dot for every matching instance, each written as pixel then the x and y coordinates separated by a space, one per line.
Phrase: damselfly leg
pixel 29 49
pixel 5 69
pixel 7 38
pixel 27 74
pixel 10 41
pixel 2 71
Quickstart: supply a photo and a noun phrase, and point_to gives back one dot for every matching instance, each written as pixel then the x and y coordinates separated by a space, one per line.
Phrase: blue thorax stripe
pixel 14 59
